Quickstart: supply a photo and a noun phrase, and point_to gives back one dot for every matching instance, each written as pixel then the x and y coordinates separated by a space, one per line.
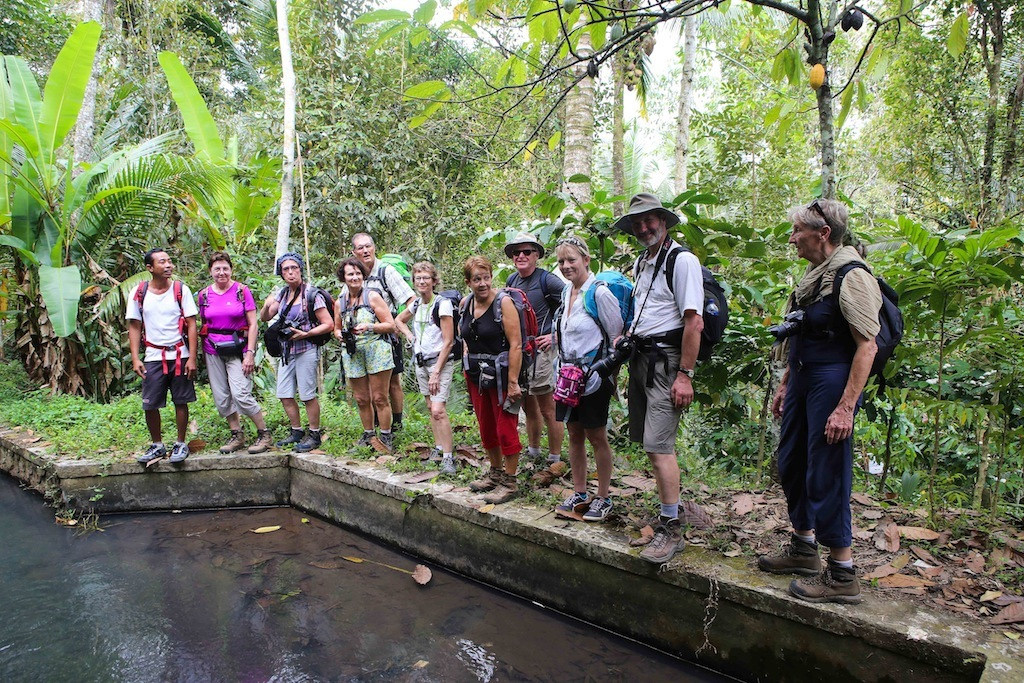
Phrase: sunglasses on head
pixel 815 206
pixel 527 251
pixel 573 241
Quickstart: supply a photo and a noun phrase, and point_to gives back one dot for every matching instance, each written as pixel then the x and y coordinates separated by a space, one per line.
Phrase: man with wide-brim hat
pixel 668 298
pixel 641 204
pixel 544 290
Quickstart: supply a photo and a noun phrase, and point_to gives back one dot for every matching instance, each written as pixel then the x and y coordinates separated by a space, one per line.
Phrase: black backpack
pixel 889 317
pixel 311 292
pixel 455 297
pixel 716 304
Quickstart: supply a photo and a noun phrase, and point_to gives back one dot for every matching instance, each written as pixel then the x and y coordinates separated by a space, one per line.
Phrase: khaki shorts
pixel 542 374
pixel 653 421
pixel 423 378
pixel 299 374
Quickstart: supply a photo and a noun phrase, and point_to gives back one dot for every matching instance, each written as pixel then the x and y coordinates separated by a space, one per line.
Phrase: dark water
pixel 199 597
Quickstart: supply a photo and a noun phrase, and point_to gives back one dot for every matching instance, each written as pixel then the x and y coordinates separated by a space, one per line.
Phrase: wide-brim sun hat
pixel 524 238
pixel 643 203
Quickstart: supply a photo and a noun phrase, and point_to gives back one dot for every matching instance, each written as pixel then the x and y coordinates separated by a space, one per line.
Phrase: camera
pixel 348 338
pixel 610 364
pixel 286 332
pixel 789 326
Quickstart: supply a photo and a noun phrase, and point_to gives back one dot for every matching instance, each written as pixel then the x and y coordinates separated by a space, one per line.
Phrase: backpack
pixel 455 297
pixel 515 281
pixel 140 296
pixel 619 285
pixel 889 317
pixel 399 263
pixel 716 304
pixel 528 329
pixel 310 301
pixel 204 301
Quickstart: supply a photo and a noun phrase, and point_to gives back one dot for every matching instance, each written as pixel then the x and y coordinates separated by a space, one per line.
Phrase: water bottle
pixel 711 309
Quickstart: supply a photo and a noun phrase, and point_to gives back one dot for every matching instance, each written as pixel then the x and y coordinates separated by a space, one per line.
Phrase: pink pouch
pixel 569 385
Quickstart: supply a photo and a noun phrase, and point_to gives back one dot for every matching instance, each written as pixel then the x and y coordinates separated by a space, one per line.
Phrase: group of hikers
pixel 548 346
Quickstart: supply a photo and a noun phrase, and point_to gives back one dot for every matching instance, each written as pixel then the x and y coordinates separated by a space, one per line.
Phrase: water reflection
pixel 199 597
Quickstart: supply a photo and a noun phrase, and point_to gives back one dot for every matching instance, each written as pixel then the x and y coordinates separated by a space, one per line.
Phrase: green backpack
pixel 398 262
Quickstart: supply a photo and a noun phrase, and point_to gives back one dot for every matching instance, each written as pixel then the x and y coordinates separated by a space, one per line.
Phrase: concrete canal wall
pixel 703 607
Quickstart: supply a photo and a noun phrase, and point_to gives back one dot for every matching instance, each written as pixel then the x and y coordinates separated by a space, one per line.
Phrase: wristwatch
pixel 688 373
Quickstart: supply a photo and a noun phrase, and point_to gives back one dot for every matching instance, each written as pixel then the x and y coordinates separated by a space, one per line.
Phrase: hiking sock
pixel 805 539
pixel 554 457
pixel 669 511
pixel 385 431
pixel 848 564
pixel 533 451
pixel 446 456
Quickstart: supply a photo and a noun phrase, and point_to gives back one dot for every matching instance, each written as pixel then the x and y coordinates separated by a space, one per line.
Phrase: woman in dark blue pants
pixel 830 351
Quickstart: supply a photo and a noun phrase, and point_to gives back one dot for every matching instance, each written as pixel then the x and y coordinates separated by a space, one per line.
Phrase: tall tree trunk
pixel 579 128
pixel 618 133
pixel 88 10
pixel 1011 148
pixel 992 58
pixel 284 217
pixel 685 104
pixel 818 54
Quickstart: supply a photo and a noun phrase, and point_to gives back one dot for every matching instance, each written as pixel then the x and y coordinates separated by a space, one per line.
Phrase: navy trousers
pixel 816 476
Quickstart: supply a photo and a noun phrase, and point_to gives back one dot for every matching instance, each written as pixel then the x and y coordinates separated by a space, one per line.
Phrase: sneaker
pixel 599 509
pixel 506 490
pixel 435 454
pixel 309 442
pixel 154 452
pixel 236 443
pixel 294 437
pixel 799 557
pixel 668 539
pixel 577 502
pixel 486 482
pixel 388 440
pixel 447 465
pixel 179 452
pixel 264 440
pixel 366 440
pixel 833 584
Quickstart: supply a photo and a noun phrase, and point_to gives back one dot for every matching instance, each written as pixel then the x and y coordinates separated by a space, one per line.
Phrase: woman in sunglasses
pixel 362 321
pixel 831 344
pixel 581 339
pixel 493 359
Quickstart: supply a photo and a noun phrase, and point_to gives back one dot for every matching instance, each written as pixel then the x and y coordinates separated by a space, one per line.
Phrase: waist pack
pixel 569 385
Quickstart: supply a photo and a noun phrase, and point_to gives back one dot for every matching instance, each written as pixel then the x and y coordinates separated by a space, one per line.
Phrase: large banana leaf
pixel 65 87
pixel 25 91
pixel 6 146
pixel 62 289
pixel 199 123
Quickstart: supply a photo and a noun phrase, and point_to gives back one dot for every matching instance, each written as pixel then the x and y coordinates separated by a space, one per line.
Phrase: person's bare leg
pixel 598 438
pixel 578 456
pixel 181 421
pixel 361 392
pixel 556 430
pixel 441 426
pixel 666 474
pixel 154 426
pixel 534 421
pixel 313 413
pixel 291 409
pixel 379 396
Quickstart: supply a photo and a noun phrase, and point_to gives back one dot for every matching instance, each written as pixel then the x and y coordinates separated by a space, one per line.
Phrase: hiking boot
pixel 309 442
pixel 179 452
pixel 264 440
pixel 506 490
pixel 294 437
pixel 154 452
pixel 447 465
pixel 366 440
pixel 486 482
pixel 577 502
pixel 799 557
pixel 668 539
pixel 833 584
pixel 598 510
pixel 236 443
pixel 388 440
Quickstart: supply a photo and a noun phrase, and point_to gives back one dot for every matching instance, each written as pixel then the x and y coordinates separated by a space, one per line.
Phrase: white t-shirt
pixel 663 312
pixel 579 334
pixel 161 318
pixel 396 285
pixel 427 335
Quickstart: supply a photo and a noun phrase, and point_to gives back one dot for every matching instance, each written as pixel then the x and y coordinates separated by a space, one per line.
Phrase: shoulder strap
pixel 670 266
pixel 178 289
pixel 204 301
pixel 382 276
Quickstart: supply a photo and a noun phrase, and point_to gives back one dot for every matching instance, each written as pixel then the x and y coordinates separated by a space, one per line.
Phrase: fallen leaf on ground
pixel 486 508
pixel 196 445
pixel 975 562
pixel 1007 599
pixel 305 520
pixel 420 477
pixel 918 533
pixel 569 514
pixel 924 555
pixel 639 482
pixel 901 561
pixel 863 499
pixel 646 536
pixel 380 446
pixel 317 451
pixel 904 581
pixel 421 575
pixel 384 460
pixel 990 595
pixel 326 564
pixel 742 503
pixel 266 529
pixel 733 551
pixel 887 537
pixel 881 572
pixel 1011 635
pixel 420 664
pixel 872 514
pixel 1011 614
pixel 694 515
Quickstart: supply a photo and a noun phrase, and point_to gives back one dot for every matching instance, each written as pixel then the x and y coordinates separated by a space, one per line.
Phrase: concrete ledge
pixel 704 607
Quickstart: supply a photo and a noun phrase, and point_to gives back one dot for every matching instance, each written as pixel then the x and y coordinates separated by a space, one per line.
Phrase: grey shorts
pixel 155 385
pixel 653 421
pixel 298 375
pixel 542 374
pixel 423 379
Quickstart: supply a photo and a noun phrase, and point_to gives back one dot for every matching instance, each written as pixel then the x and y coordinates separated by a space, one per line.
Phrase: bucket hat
pixel 642 203
pixel 523 238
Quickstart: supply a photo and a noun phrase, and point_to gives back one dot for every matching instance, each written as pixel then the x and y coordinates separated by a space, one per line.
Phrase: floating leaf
pixel 421 575
pixel 266 529
pixel 357 560
pixel 421 663
pixel 326 564
pixel 305 520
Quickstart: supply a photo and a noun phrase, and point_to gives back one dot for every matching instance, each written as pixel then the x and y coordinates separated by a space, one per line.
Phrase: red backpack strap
pixel 140 294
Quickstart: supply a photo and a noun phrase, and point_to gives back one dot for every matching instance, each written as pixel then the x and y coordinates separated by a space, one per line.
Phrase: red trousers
pixel 498 428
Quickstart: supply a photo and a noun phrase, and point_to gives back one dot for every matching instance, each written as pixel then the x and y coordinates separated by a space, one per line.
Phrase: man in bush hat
pixel 544 289
pixel 668 299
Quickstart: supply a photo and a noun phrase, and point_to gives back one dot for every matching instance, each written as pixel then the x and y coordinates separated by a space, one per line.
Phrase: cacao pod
pixel 856 19
pixel 845 22
pixel 648 44
pixel 592 68
pixel 569 6
pixel 616 32
pixel 817 76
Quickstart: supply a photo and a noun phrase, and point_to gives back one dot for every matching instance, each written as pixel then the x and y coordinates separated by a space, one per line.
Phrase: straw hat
pixel 524 238
pixel 642 203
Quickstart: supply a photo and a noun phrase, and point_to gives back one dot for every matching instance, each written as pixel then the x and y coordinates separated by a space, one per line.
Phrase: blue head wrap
pixel 290 255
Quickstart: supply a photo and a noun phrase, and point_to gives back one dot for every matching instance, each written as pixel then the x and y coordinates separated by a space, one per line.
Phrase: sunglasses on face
pixel 519 252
